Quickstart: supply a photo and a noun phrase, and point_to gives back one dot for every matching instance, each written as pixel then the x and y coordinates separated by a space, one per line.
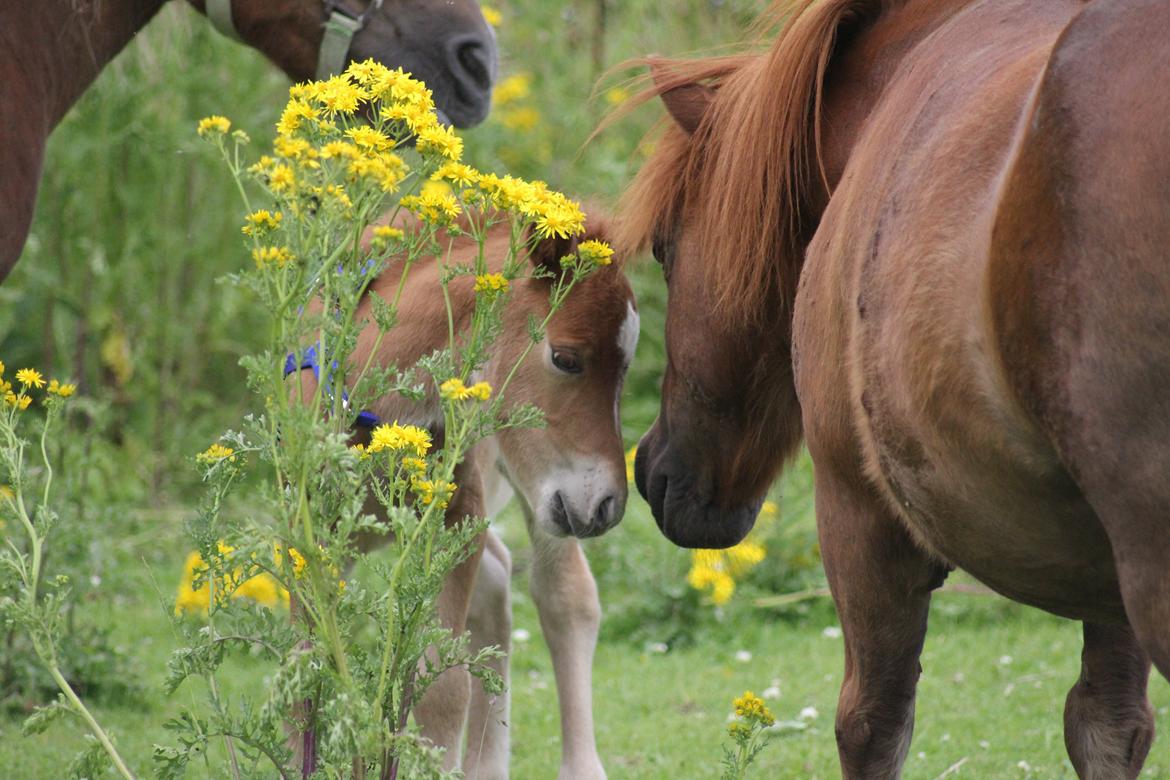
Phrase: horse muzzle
pixel 685 512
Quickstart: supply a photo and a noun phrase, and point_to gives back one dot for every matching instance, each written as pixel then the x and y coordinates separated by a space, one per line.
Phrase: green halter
pixel 340 28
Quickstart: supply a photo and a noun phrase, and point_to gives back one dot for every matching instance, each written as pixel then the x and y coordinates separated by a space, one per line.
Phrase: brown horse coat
pixel 955 216
pixel 52 50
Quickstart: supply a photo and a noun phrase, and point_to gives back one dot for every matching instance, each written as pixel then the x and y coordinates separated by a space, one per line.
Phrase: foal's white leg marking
pixel 570 614
pixel 490 623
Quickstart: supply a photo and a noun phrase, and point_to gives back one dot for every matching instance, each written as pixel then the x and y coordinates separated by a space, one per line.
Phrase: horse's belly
pixel 1024 531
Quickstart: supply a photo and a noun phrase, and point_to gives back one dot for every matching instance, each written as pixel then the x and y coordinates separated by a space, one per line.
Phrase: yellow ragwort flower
pixel 414 466
pixel 481 391
pixel 454 390
pixel 261 222
pixel 214 125
pixel 30 377
pixel 432 207
pixel 491 284
pixel 279 256
pixel 457 173
pixel 491 15
pixel 397 437
pixel 215 453
pixel 511 89
pixel 58 389
pixel 387 233
pixel 369 138
pixel 282 179
pixel 595 252
pixel 339 150
pixel 521 119
pixel 752 708
pixel 441 141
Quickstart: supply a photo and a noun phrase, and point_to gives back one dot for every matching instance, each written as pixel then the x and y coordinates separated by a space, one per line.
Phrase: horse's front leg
pixel 565 594
pixel 881 582
pixel 1108 723
pixel 443 709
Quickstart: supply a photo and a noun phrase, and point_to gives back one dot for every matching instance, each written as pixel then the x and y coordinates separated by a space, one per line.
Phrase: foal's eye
pixel 566 361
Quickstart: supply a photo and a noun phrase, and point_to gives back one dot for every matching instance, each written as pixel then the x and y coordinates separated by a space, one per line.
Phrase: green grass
pixel 994 679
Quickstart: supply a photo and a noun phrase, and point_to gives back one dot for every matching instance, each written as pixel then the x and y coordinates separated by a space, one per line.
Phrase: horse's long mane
pixel 746 175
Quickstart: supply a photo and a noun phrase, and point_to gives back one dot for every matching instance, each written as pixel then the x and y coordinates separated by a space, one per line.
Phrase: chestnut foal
pixel 569 477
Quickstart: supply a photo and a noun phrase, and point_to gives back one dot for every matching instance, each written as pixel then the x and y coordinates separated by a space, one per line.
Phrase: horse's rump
pixel 897 303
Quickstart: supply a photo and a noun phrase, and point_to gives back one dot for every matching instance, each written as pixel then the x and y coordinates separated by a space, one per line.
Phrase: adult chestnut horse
pixel 52 50
pixel 933 237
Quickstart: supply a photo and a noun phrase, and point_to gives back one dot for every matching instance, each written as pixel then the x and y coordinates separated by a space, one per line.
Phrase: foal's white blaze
pixel 628 334
pixel 627 342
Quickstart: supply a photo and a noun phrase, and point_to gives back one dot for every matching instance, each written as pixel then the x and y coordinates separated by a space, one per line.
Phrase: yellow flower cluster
pixel 454 390
pixel 752 709
pixel 298 560
pixel 30 379
pixel 261 222
pixel 513 88
pixel 491 284
pixel 595 252
pixel 262 588
pixel 396 438
pixel 432 492
pixel 278 256
pixel 215 453
pixel 433 207
pixel 717 570
pixel 214 125
pixel 491 15
pixel 414 466
pixel 62 390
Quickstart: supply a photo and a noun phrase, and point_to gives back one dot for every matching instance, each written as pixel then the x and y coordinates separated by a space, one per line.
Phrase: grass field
pixel 118 289
pixel 990 698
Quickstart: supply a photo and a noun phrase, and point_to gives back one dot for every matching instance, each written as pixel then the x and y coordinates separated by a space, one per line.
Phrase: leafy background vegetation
pixel 118 290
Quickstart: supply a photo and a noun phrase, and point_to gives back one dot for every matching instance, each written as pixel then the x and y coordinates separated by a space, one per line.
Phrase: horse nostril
pixel 471 58
pixel 605 514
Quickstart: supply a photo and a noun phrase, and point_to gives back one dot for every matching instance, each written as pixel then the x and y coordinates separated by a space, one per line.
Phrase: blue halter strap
pixel 309 359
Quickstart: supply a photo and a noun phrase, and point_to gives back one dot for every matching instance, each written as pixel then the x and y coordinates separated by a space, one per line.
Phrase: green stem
pixel 94 726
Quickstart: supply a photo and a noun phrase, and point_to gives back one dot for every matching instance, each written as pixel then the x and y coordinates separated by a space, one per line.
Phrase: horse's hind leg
pixel 1108 723
pixel 881 582
pixel 490 624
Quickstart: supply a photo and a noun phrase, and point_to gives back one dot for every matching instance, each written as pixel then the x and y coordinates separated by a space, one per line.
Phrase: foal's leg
pixel 443 709
pixel 565 594
pixel 1108 723
pixel 490 623
pixel 881 582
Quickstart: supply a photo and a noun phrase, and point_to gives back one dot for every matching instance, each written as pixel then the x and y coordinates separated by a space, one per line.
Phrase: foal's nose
pixel 605 515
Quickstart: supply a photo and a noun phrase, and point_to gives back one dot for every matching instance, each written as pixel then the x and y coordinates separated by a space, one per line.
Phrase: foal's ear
pixel 546 253
pixel 686 102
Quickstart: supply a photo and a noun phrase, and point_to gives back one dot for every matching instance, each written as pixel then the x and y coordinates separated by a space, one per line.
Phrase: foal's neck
pixel 58 47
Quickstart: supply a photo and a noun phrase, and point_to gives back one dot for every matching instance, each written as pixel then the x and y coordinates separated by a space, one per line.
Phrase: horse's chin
pixel 688 524
pixel 683 517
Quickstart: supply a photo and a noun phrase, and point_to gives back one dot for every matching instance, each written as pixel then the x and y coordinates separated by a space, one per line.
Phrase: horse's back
pixel 899 267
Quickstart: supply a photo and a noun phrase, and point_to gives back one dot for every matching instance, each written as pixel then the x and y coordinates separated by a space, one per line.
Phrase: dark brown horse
pixel 933 238
pixel 52 50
